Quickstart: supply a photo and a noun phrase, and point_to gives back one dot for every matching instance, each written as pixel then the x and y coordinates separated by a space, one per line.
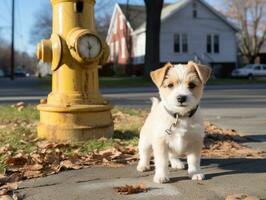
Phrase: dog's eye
pixel 170 85
pixel 191 85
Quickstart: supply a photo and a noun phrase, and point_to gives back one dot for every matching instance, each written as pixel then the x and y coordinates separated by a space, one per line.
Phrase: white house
pixel 190 30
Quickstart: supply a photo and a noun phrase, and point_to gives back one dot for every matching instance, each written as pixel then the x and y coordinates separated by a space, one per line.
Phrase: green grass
pixel 18 131
pixel 11 113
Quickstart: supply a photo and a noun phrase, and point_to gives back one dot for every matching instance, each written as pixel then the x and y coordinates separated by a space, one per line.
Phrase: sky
pixel 24 15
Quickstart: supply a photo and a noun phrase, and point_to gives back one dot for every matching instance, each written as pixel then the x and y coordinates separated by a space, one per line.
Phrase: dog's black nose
pixel 181 98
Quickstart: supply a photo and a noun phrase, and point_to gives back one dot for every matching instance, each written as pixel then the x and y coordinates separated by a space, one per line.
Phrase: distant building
pixel 190 30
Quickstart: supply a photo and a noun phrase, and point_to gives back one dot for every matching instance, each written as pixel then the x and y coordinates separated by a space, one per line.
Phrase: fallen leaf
pixel 67 164
pixel 17 161
pixel 32 174
pixel 35 167
pixel 45 144
pixel 131 189
pixel 21 103
pixel 5 197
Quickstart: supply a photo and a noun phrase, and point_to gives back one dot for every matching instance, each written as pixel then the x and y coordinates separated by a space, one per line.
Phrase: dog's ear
pixel 203 71
pixel 158 75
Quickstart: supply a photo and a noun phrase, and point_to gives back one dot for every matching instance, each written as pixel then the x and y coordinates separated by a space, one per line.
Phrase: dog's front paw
pixel 160 179
pixel 197 177
pixel 143 168
pixel 177 164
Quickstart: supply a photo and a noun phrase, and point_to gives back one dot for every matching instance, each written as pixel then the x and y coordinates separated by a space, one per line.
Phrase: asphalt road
pixel 230 96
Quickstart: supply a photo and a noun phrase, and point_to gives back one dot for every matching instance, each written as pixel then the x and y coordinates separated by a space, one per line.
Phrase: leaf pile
pixel 7 186
pixel 131 189
pixel 227 143
pixel 50 158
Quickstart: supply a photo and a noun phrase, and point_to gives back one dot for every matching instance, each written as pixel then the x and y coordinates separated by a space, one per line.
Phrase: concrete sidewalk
pixel 223 177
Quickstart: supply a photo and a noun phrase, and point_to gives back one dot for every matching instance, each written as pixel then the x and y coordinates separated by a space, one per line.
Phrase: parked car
pixel 20 73
pixel 250 71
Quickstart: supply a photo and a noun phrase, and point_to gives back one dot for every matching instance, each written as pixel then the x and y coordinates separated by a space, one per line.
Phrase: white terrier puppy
pixel 174 125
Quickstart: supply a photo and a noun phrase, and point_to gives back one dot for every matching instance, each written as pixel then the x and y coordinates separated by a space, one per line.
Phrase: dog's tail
pixel 155 101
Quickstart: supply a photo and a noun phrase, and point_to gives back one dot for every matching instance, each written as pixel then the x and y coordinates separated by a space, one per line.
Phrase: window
pixel 213 43
pixel 184 43
pixel 177 43
pixel 257 67
pixel 180 43
pixel 195 12
pixel 264 67
pixel 216 42
pixel 209 43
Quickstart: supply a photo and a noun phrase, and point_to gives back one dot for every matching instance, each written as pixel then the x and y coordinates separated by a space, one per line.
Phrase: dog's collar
pixel 177 115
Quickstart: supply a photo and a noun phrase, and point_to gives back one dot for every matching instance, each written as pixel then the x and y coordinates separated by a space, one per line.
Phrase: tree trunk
pixel 153 25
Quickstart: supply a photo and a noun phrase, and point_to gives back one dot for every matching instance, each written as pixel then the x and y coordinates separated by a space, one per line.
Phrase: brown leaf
pixel 131 189
pixel 17 161
pixel 102 139
pixel 21 103
pixel 45 144
pixel 35 167
pixel 67 164
pixel 5 149
pixel 37 158
pixel 106 153
pixel 32 174
pixel 5 197
pixel 10 186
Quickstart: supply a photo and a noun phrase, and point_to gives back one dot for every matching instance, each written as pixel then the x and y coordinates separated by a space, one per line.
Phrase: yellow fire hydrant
pixel 75 109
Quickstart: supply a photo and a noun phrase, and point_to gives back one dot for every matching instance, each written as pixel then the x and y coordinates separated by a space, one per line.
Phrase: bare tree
pixel 23 60
pixel 250 15
pixel 42 26
pixel 153 25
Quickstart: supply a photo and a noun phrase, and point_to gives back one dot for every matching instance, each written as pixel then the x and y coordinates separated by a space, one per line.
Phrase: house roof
pixel 136 14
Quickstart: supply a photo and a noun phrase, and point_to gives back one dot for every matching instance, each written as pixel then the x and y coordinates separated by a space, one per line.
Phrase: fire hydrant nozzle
pixel 44 51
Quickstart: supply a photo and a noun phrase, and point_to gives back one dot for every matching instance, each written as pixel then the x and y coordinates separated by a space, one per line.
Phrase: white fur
pixel 187 138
